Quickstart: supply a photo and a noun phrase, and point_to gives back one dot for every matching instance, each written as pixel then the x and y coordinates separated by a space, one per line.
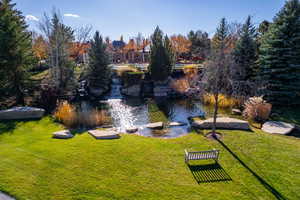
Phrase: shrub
pixel 66 114
pixel 180 85
pixel 257 109
pixel 93 118
pixel 132 78
pixel 224 101
pixel 48 98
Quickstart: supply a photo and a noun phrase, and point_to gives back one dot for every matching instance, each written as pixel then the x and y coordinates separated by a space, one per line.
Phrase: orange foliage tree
pixel 180 44
pixel 39 48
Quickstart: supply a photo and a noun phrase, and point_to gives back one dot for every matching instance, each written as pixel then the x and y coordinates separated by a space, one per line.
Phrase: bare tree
pixel 59 38
pixel 216 79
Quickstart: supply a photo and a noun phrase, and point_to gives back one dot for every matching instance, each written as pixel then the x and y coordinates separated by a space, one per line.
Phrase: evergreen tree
pixel 245 52
pixel 161 56
pixel 200 43
pixel 220 39
pixel 279 56
pixel 16 55
pixel 98 72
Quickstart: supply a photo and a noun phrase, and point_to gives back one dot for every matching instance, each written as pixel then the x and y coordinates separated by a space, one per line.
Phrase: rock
pixel 177 124
pixel 5 197
pixel 19 113
pixel 278 127
pixel 161 91
pixel 132 130
pixel 65 134
pixel 236 111
pixel 157 125
pixel 104 134
pixel 97 92
pixel 222 123
pixel 134 90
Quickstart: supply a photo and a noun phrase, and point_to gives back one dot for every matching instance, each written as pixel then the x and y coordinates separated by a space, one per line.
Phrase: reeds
pixel 223 101
pixel 66 114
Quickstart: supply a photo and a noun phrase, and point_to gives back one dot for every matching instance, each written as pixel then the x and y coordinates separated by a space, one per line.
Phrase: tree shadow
pixel 295 133
pixel 7 126
pixel 276 193
pixel 209 173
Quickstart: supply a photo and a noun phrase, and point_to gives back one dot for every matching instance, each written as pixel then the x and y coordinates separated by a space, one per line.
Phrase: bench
pixel 201 155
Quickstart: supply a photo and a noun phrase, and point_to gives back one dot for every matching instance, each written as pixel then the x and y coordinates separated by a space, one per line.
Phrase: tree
pixel 16 56
pixel 39 48
pixel 217 76
pixel 161 62
pixel 59 38
pixel 180 44
pixel 245 52
pixel 199 44
pixel 279 56
pixel 220 39
pixel 98 71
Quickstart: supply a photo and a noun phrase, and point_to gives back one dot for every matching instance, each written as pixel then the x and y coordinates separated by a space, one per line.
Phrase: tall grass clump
pixel 67 114
pixel 224 101
pixel 180 85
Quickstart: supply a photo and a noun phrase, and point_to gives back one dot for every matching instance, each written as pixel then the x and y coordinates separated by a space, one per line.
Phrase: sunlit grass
pixel 35 166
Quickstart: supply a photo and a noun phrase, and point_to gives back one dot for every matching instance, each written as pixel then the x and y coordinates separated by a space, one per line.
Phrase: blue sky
pixel 128 17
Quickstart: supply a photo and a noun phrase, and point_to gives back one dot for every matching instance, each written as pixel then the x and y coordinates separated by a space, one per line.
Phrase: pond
pixel 138 112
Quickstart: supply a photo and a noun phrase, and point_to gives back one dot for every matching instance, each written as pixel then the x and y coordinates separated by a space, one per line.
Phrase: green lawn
pixel 35 166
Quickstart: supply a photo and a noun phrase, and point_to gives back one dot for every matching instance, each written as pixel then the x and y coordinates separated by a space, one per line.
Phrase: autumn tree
pixel 39 47
pixel 16 56
pixel 180 44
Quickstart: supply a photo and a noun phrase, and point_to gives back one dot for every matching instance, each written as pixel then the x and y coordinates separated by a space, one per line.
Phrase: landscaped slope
pixel 35 166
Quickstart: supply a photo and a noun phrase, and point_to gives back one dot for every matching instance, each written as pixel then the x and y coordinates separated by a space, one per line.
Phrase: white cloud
pixel 71 15
pixel 31 18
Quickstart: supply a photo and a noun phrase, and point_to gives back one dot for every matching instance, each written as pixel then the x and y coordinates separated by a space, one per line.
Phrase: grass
pixel 35 166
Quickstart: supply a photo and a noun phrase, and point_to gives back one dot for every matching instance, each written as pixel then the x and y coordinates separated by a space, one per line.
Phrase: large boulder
pixel 104 134
pixel 222 123
pixel 65 134
pixel 278 127
pixel 134 90
pixel 20 113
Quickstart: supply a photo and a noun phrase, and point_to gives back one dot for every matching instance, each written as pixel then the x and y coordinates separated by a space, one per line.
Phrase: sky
pixel 114 18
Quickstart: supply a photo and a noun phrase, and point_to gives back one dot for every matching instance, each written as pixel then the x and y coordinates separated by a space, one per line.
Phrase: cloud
pixel 71 15
pixel 31 18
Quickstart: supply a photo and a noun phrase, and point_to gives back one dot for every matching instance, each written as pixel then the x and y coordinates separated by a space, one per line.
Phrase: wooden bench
pixel 201 155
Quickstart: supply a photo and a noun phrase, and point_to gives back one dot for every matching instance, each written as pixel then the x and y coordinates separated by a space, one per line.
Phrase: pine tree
pixel 16 55
pixel 220 39
pixel 98 72
pixel 279 56
pixel 161 56
pixel 245 52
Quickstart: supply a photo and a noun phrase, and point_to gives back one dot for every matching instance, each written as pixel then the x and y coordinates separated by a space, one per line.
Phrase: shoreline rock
pixel 278 127
pixel 222 123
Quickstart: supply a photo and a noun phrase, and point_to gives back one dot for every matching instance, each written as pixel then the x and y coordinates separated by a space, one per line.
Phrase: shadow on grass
pixel 276 193
pixel 7 126
pixel 209 173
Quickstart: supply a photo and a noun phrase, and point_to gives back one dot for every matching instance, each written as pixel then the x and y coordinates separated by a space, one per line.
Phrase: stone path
pixel 278 127
pixel 5 197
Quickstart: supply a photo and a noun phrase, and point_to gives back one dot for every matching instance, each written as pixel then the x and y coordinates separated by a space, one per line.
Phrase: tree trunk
pixel 216 96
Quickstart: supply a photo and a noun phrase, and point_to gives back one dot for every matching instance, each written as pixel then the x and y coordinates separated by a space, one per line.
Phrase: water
pixel 136 112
